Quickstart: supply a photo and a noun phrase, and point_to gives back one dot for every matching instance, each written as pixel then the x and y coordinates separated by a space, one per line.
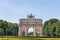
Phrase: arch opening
pixel 30 31
pixel 37 33
pixel 23 33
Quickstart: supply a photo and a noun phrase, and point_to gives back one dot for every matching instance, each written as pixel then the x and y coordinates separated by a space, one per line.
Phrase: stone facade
pixel 30 21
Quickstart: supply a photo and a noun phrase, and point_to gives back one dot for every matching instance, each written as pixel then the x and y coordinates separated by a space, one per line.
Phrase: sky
pixel 13 10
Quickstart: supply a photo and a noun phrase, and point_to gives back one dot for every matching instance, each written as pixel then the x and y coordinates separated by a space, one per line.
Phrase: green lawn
pixel 25 38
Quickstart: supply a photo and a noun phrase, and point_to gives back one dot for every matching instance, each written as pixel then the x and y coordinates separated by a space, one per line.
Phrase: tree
pixel 3 25
pixel 57 28
pixel 15 29
pixel 1 31
pixel 12 29
pixel 8 28
pixel 1 22
pixel 48 28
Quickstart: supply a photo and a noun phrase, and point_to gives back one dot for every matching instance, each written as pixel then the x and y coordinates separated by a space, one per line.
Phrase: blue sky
pixel 13 10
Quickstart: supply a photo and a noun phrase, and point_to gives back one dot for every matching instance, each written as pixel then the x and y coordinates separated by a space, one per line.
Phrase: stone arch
pixel 30 21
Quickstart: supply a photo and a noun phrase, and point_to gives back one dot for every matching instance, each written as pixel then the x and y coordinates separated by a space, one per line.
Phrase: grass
pixel 25 38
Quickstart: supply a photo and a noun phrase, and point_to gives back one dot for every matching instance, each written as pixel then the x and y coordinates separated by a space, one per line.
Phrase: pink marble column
pixel 34 31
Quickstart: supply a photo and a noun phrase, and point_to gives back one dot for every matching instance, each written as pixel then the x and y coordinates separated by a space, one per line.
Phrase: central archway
pixel 30 31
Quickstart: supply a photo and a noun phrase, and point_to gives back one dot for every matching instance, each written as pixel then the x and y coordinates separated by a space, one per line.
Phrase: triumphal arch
pixel 30 21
